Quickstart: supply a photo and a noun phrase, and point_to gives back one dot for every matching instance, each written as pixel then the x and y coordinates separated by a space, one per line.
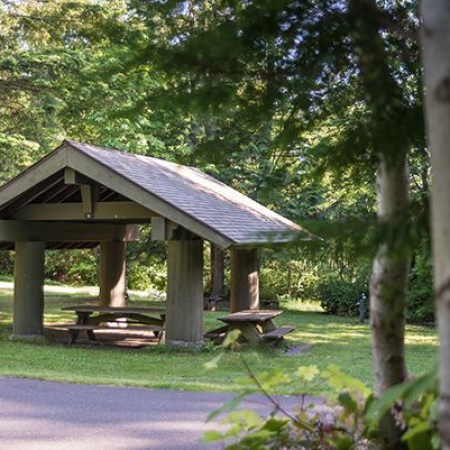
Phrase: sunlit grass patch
pixel 332 340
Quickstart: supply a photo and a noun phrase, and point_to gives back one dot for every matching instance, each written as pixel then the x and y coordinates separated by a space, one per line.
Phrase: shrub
pixel 6 264
pixel 77 267
pixel 340 297
pixel 152 276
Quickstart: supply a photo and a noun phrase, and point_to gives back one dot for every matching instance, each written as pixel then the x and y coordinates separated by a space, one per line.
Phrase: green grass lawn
pixel 334 340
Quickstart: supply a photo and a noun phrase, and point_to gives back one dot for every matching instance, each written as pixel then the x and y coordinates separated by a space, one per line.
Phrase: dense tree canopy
pixel 264 95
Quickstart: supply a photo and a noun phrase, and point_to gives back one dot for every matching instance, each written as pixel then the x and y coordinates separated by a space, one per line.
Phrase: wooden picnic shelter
pixel 83 196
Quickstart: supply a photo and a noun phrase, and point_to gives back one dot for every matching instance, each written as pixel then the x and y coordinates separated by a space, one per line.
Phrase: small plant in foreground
pixel 347 421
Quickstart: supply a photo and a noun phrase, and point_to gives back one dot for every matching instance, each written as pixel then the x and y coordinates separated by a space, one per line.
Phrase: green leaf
pixel 276 424
pixel 212 436
pixel 409 391
pixel 228 406
pixel 419 428
pixel 380 406
pixel 308 373
pixel 231 339
pixel 421 441
pixel 273 379
pixel 340 381
pixel 436 441
pixel 261 435
pixel 345 443
pixel 420 386
pixel 434 410
pixel 247 418
pixel 213 364
pixel 348 402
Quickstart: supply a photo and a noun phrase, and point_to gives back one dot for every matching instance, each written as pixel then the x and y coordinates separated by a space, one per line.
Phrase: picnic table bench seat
pixel 74 330
pixel 126 319
pixel 278 333
pixel 216 333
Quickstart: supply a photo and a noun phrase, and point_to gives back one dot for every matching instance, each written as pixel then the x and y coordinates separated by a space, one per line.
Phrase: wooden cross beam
pixel 128 211
pixel 14 231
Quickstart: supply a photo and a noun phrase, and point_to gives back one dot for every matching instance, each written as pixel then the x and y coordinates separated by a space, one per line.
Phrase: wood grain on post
pixel 184 320
pixel 244 280
pixel 29 289
pixel 112 273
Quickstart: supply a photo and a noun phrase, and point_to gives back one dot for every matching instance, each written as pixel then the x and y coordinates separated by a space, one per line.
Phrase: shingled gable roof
pixel 182 194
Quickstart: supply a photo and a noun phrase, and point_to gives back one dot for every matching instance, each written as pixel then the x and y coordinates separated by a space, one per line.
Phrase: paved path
pixel 41 415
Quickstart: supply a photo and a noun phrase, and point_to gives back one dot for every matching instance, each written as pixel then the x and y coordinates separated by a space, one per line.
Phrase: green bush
pixel 340 297
pixel 152 276
pixel 75 267
pixel 146 263
pixel 6 264
pixel 286 277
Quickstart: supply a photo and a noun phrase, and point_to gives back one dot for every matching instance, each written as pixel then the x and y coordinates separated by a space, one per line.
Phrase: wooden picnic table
pixel 256 326
pixel 144 315
pixel 90 318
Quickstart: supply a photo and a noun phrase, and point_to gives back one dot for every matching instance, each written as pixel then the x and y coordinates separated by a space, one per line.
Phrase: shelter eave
pixel 37 173
pixel 290 238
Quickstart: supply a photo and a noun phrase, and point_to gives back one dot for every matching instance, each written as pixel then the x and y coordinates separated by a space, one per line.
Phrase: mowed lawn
pixel 333 340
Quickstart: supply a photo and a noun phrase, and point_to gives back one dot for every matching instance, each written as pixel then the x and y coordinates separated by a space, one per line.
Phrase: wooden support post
pixel 184 320
pixel 113 273
pixel 29 289
pixel 217 271
pixel 244 280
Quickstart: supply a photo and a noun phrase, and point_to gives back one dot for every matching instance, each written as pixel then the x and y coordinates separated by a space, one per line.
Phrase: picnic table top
pixel 120 310
pixel 251 316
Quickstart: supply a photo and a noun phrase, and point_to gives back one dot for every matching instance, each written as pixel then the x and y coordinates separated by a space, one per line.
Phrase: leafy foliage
pixel 349 419
pixel 263 95
pixel 341 297
pixel 421 295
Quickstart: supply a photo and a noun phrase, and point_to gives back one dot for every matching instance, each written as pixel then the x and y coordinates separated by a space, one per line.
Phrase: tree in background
pixel 391 142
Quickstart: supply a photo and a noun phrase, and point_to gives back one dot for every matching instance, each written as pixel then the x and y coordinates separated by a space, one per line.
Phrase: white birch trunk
pixel 436 58
pixel 389 281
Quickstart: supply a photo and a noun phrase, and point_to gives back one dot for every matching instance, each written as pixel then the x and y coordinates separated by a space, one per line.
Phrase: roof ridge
pixel 78 144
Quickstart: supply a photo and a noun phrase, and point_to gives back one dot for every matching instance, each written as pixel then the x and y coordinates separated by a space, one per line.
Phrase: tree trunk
pixel 217 271
pixel 388 284
pixel 436 58
pixel 389 287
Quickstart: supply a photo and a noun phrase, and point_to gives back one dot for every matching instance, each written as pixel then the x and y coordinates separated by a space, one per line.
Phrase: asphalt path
pixel 42 415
